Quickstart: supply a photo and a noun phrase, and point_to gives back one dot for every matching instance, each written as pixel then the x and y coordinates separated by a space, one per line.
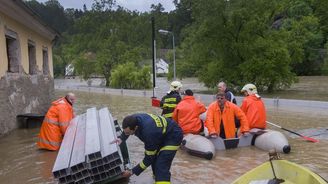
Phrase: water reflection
pixel 22 162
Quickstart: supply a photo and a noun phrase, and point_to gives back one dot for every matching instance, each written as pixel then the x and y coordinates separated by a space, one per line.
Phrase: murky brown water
pixel 22 162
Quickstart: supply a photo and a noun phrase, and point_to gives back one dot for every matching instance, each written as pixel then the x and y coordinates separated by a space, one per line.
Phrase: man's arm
pixel 63 118
pixel 244 126
pixel 209 123
pixel 123 137
pixel 162 101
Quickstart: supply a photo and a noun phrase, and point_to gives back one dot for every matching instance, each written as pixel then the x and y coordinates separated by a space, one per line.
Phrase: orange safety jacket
pixel 230 111
pixel 254 109
pixel 55 124
pixel 186 114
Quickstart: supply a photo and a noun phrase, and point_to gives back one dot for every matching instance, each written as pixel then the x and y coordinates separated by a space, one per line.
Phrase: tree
pixel 128 76
pixel 52 13
pixel 83 66
pixel 109 56
pixel 305 38
pixel 234 41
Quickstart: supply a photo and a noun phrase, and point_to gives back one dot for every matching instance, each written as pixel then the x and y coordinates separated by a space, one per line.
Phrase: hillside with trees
pixel 266 42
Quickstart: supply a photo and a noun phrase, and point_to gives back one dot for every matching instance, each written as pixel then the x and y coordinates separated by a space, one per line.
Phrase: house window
pixel 32 58
pixel 45 65
pixel 13 51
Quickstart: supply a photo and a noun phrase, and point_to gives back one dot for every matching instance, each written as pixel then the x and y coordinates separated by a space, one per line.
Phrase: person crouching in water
pixel 187 113
pixel 162 138
pixel 220 118
pixel 253 107
pixel 171 99
pixel 56 122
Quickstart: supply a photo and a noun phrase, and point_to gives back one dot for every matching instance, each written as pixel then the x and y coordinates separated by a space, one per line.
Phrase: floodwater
pixel 22 162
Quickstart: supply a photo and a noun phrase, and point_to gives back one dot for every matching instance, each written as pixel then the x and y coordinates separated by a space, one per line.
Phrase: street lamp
pixel 165 32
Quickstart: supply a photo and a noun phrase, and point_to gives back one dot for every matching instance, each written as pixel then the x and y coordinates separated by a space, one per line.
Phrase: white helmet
pixel 250 88
pixel 175 85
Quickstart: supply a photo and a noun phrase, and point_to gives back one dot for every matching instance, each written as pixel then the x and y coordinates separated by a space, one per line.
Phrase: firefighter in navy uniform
pixel 171 99
pixel 162 138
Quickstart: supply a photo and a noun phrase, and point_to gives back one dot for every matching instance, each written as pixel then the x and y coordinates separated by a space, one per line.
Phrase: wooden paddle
pixel 304 137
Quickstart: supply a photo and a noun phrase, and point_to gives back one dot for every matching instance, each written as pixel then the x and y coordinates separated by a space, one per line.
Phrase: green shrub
pixel 128 76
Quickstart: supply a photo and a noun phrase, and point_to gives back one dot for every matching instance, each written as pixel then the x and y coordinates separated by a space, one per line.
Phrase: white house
pixel 69 70
pixel 162 67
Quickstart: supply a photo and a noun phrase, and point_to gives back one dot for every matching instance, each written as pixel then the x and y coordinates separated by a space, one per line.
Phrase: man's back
pixel 169 102
pixel 254 109
pixel 55 124
pixel 187 114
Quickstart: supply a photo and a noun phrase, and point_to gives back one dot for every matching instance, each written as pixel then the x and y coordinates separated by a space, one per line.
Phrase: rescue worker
pixel 171 99
pixel 162 138
pixel 220 118
pixel 187 113
pixel 56 122
pixel 253 107
pixel 222 87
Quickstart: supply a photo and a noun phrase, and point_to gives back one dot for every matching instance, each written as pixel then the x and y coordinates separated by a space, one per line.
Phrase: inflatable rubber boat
pixel 264 139
pixel 198 145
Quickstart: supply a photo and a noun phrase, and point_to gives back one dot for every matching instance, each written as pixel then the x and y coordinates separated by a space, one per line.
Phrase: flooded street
pixel 22 162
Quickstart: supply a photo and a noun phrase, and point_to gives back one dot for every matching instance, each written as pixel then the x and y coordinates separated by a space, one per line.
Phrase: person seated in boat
pixel 187 113
pixel 171 99
pixel 253 107
pixel 222 87
pixel 220 118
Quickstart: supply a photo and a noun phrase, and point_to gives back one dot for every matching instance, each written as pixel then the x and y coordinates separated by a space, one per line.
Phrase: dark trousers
pixel 162 165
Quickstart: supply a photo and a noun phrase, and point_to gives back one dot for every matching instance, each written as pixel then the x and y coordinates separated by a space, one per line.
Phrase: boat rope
pixel 273 155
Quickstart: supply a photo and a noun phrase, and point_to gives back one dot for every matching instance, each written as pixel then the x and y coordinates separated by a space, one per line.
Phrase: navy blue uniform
pixel 162 138
pixel 230 97
pixel 169 102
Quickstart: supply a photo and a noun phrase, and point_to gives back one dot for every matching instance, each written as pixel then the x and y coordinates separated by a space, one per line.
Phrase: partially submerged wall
pixel 20 94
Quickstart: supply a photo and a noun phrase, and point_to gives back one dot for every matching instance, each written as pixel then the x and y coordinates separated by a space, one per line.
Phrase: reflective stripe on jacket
pixel 254 109
pixel 186 114
pixel 169 102
pixel 214 117
pixel 158 134
pixel 55 124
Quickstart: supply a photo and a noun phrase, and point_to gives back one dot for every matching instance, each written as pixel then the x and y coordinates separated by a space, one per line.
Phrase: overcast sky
pixel 140 5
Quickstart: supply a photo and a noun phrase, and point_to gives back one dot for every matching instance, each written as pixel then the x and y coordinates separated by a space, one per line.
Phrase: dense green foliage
pixel 128 76
pixel 265 42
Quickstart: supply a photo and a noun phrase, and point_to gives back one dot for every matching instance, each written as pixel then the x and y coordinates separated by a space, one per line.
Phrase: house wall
pixel 20 92
pixel 24 34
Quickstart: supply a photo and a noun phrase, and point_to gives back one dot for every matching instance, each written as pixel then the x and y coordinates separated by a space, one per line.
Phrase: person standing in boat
pixel 220 118
pixel 56 122
pixel 187 113
pixel 171 99
pixel 162 138
pixel 222 87
pixel 253 107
